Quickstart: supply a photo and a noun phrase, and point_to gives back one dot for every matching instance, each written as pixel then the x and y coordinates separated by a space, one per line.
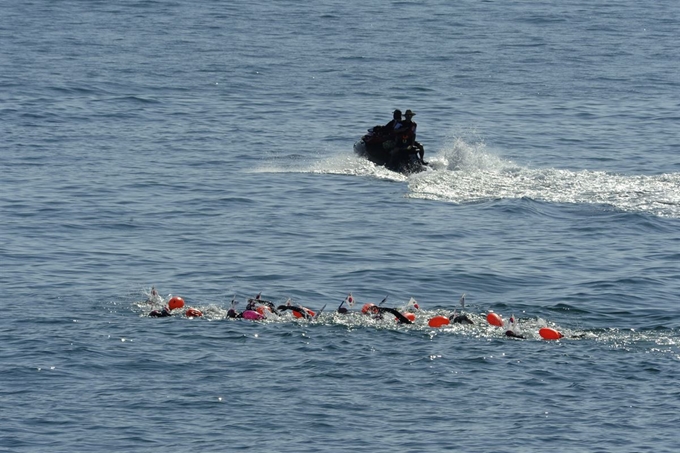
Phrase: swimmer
pixel 376 311
pixel 300 311
pixel 165 312
pixel 512 334
pixel 258 301
pixel 373 309
pixel 303 312
pixel 256 309
pixel 461 318
pixel 232 313
pixel 401 319
pixel 513 331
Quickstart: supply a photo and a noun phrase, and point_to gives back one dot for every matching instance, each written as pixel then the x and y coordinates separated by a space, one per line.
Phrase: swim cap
pixel 367 308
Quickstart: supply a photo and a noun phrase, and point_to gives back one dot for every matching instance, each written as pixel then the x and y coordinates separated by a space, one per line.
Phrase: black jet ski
pixel 381 148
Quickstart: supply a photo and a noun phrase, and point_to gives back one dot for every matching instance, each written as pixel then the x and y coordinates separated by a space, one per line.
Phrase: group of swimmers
pixel 257 309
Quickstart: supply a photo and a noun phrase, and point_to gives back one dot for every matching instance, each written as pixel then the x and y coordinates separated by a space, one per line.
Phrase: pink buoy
pixel 252 315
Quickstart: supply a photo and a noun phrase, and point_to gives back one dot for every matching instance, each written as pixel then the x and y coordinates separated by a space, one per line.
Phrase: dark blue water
pixel 206 149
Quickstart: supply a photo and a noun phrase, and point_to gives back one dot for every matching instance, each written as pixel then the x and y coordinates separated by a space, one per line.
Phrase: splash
pixel 355 166
pixel 467 173
pixel 339 163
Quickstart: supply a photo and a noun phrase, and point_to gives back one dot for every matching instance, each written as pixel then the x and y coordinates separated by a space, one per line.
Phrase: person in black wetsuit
pixel 300 311
pixel 376 311
pixel 513 330
pixel 304 312
pixel 232 313
pixel 165 312
pixel 257 301
pixel 460 318
pixel 401 319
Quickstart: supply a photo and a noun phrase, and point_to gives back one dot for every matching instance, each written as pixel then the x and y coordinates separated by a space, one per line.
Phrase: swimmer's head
pixel 367 308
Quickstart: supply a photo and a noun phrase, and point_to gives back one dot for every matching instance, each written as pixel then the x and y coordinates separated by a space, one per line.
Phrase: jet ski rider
pixel 394 124
pixel 408 136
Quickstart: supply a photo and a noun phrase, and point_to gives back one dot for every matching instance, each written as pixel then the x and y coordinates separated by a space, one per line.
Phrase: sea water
pixel 205 149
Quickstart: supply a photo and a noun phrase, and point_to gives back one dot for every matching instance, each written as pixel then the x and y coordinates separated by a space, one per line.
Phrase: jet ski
pixel 380 147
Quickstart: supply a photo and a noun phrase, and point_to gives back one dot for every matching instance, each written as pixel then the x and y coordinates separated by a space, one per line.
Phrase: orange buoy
pixel 438 321
pixel 263 310
pixel 549 334
pixel 175 302
pixel 494 319
pixel 410 316
pixel 367 308
pixel 193 313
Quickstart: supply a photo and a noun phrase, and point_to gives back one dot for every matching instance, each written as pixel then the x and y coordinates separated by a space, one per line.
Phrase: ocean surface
pixel 205 149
